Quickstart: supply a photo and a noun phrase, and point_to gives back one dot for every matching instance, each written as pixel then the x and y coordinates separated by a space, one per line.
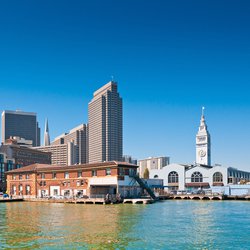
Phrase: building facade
pixel 6 164
pixel 193 177
pixel 69 148
pixel 14 156
pixel 61 154
pixel 21 124
pixel 129 159
pixel 152 163
pixel 93 180
pixel 105 125
pixel 203 143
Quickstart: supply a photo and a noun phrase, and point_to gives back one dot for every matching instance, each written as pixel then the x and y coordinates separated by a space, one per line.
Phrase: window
pixel 108 171
pixel 20 177
pixel 27 176
pixel 78 183
pixel 196 177
pixel 121 171
pixel 53 175
pixel 94 173
pixel 14 190
pixel 79 174
pixel 217 177
pixel 20 189
pixel 156 176
pixel 14 177
pixel 173 177
pixel 82 182
pixel 66 175
pixel 43 175
pixel 42 183
pixel 27 189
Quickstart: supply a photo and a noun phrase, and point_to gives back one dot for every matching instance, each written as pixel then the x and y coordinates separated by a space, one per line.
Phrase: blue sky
pixel 170 58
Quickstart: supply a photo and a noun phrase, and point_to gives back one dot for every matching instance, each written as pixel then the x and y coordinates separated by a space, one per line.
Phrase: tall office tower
pixel 105 125
pixel 46 134
pixel 203 143
pixel 21 124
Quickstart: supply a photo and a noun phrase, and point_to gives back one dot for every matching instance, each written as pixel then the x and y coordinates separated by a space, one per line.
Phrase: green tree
pixel 146 174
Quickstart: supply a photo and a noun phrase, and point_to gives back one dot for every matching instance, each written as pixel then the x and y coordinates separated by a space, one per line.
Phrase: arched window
pixel 156 176
pixel 173 177
pixel 197 177
pixel 218 177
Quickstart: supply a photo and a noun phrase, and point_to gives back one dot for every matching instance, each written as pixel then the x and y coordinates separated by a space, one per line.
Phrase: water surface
pixel 163 225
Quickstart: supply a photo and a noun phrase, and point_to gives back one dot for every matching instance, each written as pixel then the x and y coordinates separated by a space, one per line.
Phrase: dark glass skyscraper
pixel 22 124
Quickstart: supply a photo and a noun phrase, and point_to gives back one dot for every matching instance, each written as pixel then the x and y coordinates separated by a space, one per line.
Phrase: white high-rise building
pixel 203 143
pixel 105 125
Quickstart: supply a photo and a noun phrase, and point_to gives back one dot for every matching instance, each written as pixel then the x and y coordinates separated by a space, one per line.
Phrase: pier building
pixel 191 177
pixel 201 175
pixel 92 180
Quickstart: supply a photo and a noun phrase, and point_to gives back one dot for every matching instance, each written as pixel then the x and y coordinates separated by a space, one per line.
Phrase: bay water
pixel 164 225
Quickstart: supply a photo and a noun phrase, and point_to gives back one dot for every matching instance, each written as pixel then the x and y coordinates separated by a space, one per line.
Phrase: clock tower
pixel 203 143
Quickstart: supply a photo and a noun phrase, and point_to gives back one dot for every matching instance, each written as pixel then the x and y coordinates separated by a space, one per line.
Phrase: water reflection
pixel 36 225
pixel 166 225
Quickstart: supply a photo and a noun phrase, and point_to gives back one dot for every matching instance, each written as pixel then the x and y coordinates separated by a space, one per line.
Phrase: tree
pixel 146 174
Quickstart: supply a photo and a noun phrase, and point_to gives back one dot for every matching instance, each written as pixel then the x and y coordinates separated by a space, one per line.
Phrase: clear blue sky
pixel 170 58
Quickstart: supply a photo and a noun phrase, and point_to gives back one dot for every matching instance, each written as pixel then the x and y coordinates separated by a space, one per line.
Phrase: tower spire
pixel 46 134
pixel 203 142
pixel 202 111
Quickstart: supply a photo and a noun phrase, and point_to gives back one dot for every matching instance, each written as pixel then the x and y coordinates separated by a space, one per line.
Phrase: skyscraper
pixel 46 134
pixel 105 125
pixel 21 124
pixel 203 143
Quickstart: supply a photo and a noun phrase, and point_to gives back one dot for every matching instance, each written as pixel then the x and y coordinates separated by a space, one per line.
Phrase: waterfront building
pixel 152 163
pixel 200 175
pixel 69 148
pixel 21 124
pixel 191 177
pixel 93 180
pixel 203 143
pixel 105 125
pixel 46 134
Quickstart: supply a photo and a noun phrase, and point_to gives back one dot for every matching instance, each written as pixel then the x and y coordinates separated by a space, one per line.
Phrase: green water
pixel 164 225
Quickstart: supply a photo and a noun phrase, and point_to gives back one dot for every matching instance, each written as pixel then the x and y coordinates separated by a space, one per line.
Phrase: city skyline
pixel 169 60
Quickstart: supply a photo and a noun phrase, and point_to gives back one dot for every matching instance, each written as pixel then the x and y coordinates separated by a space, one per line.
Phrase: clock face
pixel 202 153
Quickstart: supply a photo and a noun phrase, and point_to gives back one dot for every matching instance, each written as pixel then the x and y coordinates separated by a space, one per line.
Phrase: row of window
pixel 65 183
pixel 20 177
pixel 173 177
pixel 20 191
pixel 79 174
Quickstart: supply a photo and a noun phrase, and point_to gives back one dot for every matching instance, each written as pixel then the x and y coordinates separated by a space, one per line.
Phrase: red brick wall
pixel 101 172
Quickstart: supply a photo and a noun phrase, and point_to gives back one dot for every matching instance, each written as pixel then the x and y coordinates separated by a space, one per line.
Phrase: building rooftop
pixel 47 167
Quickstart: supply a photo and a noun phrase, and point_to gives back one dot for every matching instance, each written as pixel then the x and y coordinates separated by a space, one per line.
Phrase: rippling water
pixel 164 225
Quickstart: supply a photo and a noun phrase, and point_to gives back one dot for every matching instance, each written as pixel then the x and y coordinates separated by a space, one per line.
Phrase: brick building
pixel 39 180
